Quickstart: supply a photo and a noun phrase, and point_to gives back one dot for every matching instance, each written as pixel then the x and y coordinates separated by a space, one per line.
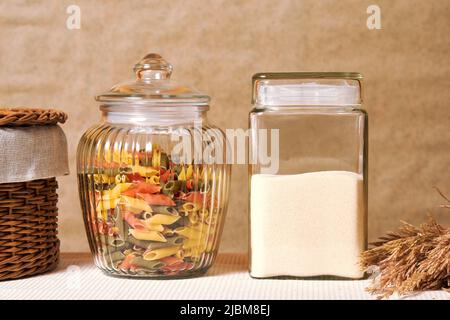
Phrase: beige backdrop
pixel 216 46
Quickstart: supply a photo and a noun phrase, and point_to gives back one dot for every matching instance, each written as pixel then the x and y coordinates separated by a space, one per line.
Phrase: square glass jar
pixel 308 204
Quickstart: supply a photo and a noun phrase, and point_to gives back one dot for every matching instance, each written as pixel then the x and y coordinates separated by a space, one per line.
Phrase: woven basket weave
pixel 28 211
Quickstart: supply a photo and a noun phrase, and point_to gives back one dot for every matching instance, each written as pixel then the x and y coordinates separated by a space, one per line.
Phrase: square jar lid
pixel 307 89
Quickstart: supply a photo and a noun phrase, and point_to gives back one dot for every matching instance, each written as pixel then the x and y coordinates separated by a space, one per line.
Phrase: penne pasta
pixel 142 187
pixel 103 178
pixel 132 220
pixel 176 240
pixel 147 235
pixel 116 241
pixel 199 244
pixel 168 232
pixel 182 174
pixel 126 263
pixel 116 256
pixel 203 214
pixel 165 210
pixel 156 158
pixel 194 200
pixel 153 227
pixel 102 215
pixel 153 216
pixel 138 250
pixel 139 262
pixel 135 205
pixel 172 241
pixel 179 254
pixel 162 219
pixel 193 217
pixel 117 156
pixel 145 171
pixel 156 254
pixel 115 192
pixel 120 178
pixel 172 260
pixel 147 215
pixel 191 252
pixel 190 207
pixel 153 179
pixel 189 232
pixel 157 199
pixel 189 172
pixel 137 243
pixel 106 204
pixel 201 227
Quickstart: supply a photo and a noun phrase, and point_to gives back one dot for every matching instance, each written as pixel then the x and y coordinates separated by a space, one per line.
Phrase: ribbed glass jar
pixel 150 210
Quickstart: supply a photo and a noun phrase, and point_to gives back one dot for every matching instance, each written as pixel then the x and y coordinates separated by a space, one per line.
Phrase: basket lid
pixel 16 117
pixel 33 145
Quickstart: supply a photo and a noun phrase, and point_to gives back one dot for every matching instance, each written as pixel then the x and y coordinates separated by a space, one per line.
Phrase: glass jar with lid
pixel 152 181
pixel 308 204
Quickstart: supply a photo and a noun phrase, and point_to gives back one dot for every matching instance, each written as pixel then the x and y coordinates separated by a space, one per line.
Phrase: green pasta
pixel 164 160
pixel 116 242
pixel 183 221
pixel 140 243
pixel 204 187
pixel 171 187
pixel 165 210
pixel 122 225
pixel 116 256
pixel 104 186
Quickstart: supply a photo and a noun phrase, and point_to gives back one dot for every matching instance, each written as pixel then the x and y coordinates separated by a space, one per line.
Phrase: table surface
pixel 77 278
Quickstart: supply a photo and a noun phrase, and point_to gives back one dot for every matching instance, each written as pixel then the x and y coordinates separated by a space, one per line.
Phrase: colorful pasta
pixel 116 241
pixel 147 235
pixel 146 264
pixel 152 226
pixel 160 253
pixel 189 232
pixel 171 241
pixel 135 205
pixel 153 217
pixel 162 219
pixel 116 256
pixel 199 244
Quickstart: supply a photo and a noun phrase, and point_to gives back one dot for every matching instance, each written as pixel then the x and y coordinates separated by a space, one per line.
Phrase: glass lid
pixel 153 86
pixel 307 89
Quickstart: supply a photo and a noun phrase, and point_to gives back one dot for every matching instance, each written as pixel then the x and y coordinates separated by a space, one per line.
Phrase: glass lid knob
pixel 152 67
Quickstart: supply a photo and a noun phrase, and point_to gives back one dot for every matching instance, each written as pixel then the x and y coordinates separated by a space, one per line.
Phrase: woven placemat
pixel 30 116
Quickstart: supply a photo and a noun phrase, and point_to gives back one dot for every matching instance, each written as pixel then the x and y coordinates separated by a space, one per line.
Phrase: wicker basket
pixel 28 211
